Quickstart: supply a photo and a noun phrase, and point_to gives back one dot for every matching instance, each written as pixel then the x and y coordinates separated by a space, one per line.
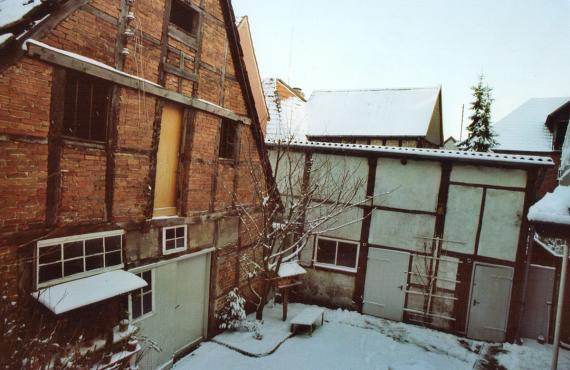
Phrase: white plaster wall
pixel 462 218
pixel 339 175
pixel 488 175
pixel 339 223
pixel 290 167
pixel 414 185
pixel 501 224
pixel 396 229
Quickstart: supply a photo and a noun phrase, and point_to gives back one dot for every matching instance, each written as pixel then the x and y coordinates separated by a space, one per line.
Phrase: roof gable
pixel 382 112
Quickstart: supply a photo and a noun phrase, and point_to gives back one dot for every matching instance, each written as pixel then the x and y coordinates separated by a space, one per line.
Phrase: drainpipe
pixel 559 308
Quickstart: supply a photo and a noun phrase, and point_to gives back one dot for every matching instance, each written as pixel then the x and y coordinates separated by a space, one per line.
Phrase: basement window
pixel 228 139
pixel 174 239
pixel 336 254
pixel 85 107
pixel 183 16
pixel 72 257
pixel 142 300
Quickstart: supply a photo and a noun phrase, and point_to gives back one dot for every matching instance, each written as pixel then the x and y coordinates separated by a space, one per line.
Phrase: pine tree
pixel 480 137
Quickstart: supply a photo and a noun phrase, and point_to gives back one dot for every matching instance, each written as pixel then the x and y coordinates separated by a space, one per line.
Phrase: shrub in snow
pixel 233 314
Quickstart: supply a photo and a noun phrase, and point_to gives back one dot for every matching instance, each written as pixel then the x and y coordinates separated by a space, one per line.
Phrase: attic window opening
pixel 86 105
pixel 183 16
pixel 228 139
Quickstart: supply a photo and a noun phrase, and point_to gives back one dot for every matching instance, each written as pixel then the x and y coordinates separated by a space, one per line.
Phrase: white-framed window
pixel 336 254
pixel 174 239
pixel 72 257
pixel 141 301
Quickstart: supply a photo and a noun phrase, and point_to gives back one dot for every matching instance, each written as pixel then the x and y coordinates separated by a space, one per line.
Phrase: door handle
pixel 475 302
pixel 401 287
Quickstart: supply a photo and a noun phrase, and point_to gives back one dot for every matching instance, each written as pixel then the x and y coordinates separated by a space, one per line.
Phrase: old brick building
pixel 128 132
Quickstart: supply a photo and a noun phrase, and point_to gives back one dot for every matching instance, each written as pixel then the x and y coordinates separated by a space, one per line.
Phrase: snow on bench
pixel 308 317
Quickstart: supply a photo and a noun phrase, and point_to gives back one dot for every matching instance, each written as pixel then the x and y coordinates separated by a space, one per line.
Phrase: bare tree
pixel 311 195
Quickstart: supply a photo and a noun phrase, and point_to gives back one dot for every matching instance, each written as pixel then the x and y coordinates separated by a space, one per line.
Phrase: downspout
pixel 560 306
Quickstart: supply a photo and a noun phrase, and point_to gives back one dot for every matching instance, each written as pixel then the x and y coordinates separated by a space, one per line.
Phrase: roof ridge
pixel 379 89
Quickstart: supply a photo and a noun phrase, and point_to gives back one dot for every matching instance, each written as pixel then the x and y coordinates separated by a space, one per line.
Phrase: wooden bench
pixel 308 317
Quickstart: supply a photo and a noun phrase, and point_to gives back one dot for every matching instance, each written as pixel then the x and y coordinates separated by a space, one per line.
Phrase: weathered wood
pixel 480 222
pixel 153 157
pixel 121 40
pixel 180 72
pixel 100 14
pixel 111 145
pixel 182 36
pixel 53 193
pixel 28 139
pixel 110 74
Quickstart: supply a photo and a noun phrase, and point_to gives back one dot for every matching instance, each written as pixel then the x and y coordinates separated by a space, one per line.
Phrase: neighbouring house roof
pixel 405 152
pixel 525 129
pixel 82 292
pixel 286 111
pixel 252 69
pixel 552 208
pixel 376 112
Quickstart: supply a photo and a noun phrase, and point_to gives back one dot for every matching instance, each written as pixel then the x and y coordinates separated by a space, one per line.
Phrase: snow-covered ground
pixel 349 340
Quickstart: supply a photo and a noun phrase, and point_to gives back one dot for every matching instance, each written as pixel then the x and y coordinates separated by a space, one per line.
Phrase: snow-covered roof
pixel 11 11
pixel 462 155
pixel 290 269
pixel 377 112
pixel 553 207
pixel 82 292
pixel 524 129
pixel 286 114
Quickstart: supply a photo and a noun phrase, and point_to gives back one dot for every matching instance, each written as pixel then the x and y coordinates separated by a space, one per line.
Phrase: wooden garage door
pixel 386 277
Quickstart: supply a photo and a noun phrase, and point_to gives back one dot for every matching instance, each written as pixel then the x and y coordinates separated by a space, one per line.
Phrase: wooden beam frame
pixel 61 58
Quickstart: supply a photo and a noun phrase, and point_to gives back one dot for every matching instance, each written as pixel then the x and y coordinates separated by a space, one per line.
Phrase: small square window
pixel 183 16
pixel 174 239
pixel 85 105
pixel 228 139
pixel 142 300
pixel 336 254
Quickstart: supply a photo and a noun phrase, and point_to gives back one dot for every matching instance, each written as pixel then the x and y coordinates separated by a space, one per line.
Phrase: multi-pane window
pixel 141 299
pixel 334 253
pixel 85 107
pixel 58 259
pixel 228 139
pixel 174 239
pixel 183 16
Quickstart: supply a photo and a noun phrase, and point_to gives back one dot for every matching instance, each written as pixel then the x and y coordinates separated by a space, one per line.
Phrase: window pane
pixel 179 232
pixel 83 109
pixel 69 105
pixel 326 250
pixel 136 305
pixel 147 276
pixel 170 233
pixel 73 249
pixel 94 246
pixel 147 303
pixel 72 267
pixel 50 254
pixel 346 254
pixel 183 16
pixel 99 111
pixel 112 259
pixel 227 139
pixel 94 262
pixel 180 243
pixel 170 244
pixel 49 272
pixel 113 243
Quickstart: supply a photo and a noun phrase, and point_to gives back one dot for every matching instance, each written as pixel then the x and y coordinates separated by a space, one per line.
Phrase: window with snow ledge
pixel 141 301
pixel 336 254
pixel 72 257
pixel 184 16
pixel 228 139
pixel 174 239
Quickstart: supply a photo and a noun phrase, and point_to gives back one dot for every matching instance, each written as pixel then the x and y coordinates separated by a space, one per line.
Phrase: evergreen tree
pixel 480 137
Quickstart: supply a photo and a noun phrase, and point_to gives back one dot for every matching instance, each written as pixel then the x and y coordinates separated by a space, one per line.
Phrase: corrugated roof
pixel 524 129
pixel 376 112
pixel 460 155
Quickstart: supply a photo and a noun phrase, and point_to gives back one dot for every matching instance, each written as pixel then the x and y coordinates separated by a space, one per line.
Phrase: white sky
pixel 522 47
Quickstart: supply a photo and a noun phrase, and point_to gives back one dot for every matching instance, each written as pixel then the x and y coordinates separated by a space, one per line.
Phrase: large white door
pixel 386 277
pixel 490 301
